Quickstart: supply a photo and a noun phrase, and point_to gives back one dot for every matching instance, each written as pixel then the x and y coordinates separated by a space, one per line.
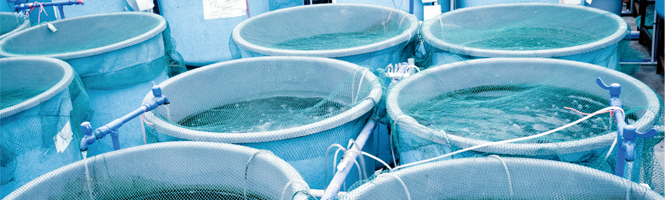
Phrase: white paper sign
pixel 216 9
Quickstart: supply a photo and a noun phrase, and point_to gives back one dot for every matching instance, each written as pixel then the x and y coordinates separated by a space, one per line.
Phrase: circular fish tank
pixel 367 35
pixel 11 23
pixel 499 178
pixel 295 107
pixel 37 109
pixel 174 170
pixel 465 104
pixel 118 57
pixel 545 30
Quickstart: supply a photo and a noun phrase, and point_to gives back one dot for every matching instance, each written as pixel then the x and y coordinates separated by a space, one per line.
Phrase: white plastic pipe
pixel 346 164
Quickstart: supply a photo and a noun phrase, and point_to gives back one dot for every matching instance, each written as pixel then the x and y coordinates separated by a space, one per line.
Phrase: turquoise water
pixel 495 113
pixel 13 97
pixel 331 41
pixel 261 115
pixel 518 38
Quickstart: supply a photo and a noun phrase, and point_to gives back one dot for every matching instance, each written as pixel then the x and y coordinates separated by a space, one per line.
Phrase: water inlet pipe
pixel 346 164
pixel 28 6
pixel 625 133
pixel 112 127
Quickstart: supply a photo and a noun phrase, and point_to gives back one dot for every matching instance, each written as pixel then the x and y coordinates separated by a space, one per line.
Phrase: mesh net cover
pixel 41 98
pixel 174 170
pixel 383 36
pixel 562 31
pixel 465 104
pixel 118 56
pixel 108 51
pixel 295 107
pixel 11 23
pixel 495 177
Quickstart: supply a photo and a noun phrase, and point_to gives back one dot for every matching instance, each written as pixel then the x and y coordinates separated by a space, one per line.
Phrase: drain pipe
pixel 112 127
pixel 346 164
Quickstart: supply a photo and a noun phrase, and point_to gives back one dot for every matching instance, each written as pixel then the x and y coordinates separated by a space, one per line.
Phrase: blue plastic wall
pixel 203 41
pixel 414 7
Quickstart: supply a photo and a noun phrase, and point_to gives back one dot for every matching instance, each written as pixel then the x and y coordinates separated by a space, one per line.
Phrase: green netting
pixel 562 31
pixel 41 100
pixel 495 177
pixel 202 171
pixel 465 104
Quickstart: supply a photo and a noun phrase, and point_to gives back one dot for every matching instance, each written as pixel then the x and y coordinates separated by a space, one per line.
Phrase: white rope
pixel 244 188
pixel 401 182
pixel 325 170
pixel 510 183
pixel 371 156
pixel 289 184
pixel 360 83
pixel 512 140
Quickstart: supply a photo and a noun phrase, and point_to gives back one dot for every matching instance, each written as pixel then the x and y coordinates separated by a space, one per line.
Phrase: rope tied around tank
pixel 244 188
pixel 290 183
pixel 510 183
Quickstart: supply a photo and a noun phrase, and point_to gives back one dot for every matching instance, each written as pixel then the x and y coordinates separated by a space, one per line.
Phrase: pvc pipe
pixel 345 165
pixel 112 127
pixel 27 6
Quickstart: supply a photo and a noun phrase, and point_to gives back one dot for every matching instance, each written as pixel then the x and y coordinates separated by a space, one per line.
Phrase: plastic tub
pixel 175 170
pixel 350 32
pixel 497 99
pixel 499 178
pixel 117 55
pixel 202 30
pixel 273 86
pixel 41 98
pixel 525 30
pixel 11 23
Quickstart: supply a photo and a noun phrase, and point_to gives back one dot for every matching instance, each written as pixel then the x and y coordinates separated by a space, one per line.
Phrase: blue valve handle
pixel 625 133
pixel 628 144
pixel 112 128
pixel 615 91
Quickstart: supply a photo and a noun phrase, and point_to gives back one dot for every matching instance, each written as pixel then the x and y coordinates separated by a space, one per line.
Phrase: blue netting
pixel 524 30
pixel 244 102
pixel 365 42
pixel 11 23
pixel 150 173
pixel 117 55
pixel 496 177
pixel 42 101
pixel 508 95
